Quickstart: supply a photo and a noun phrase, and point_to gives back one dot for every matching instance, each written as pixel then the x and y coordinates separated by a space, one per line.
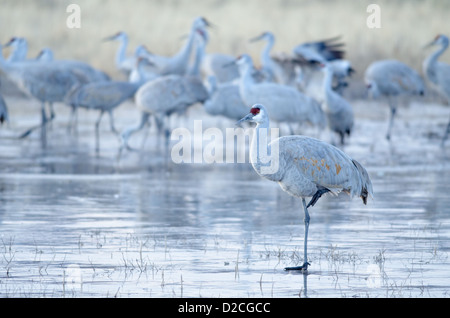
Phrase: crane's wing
pixel 324 165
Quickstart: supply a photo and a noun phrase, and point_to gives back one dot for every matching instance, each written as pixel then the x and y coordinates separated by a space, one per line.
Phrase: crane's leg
pixel 97 135
pixel 44 122
pixel 305 265
pixel 393 108
pixel 447 132
pixel 111 122
pixel 317 196
pixel 128 132
pixel 43 125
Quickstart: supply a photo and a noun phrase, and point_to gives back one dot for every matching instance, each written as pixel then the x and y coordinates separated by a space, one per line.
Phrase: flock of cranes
pixel 304 87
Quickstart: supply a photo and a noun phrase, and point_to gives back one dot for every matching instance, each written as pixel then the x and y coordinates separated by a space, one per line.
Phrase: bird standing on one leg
pixel 304 167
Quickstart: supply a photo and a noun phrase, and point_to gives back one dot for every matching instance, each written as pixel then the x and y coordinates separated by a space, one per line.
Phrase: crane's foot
pixel 302 268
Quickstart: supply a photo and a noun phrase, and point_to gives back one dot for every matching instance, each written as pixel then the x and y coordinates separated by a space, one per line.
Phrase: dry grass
pixel 406 26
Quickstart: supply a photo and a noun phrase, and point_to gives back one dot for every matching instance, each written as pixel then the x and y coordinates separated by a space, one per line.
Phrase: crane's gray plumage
pixel 225 100
pixel 102 96
pixel 338 110
pixel 285 103
pixel 438 73
pixel 392 79
pixel 307 167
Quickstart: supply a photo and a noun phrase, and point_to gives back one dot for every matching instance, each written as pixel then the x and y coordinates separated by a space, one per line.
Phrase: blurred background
pixel 406 26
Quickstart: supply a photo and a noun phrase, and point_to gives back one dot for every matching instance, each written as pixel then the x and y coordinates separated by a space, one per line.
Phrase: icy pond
pixel 74 223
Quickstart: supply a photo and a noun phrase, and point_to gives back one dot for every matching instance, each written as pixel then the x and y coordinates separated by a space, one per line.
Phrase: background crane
pixel 438 73
pixel 286 104
pixel 102 96
pixel 338 110
pixel 391 79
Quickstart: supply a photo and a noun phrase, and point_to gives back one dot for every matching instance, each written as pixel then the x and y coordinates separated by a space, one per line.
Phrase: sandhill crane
pixel 270 66
pixel 124 63
pixel 225 100
pixel 164 96
pixel 438 73
pixel 102 96
pixel 304 167
pixel 19 49
pixel 178 64
pixel 339 112
pixel 285 103
pixel 43 81
pixel 391 79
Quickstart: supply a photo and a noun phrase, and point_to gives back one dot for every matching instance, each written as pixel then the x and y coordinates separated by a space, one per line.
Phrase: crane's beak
pixel 429 44
pixel 258 38
pixel 208 23
pixel 248 117
pixel 110 38
pixel 9 43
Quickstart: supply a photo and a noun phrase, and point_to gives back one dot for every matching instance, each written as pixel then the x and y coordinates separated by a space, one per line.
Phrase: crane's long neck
pixel 430 62
pixel 327 82
pixel 120 55
pixel 199 53
pixel 265 54
pixel 246 80
pixel 182 57
pixel 264 159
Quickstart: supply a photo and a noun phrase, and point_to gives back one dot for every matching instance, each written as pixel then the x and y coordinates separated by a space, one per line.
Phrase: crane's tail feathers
pixel 366 184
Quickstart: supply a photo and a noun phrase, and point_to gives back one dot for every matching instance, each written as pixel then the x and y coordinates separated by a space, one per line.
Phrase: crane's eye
pixel 255 111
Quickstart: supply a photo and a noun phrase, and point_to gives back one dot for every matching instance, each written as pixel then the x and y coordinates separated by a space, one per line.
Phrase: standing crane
pixel 339 112
pixel 285 103
pixel 274 71
pixel 43 81
pixel 123 62
pixel 438 73
pixel 102 96
pixel 392 79
pixel 304 167
pixel 165 96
